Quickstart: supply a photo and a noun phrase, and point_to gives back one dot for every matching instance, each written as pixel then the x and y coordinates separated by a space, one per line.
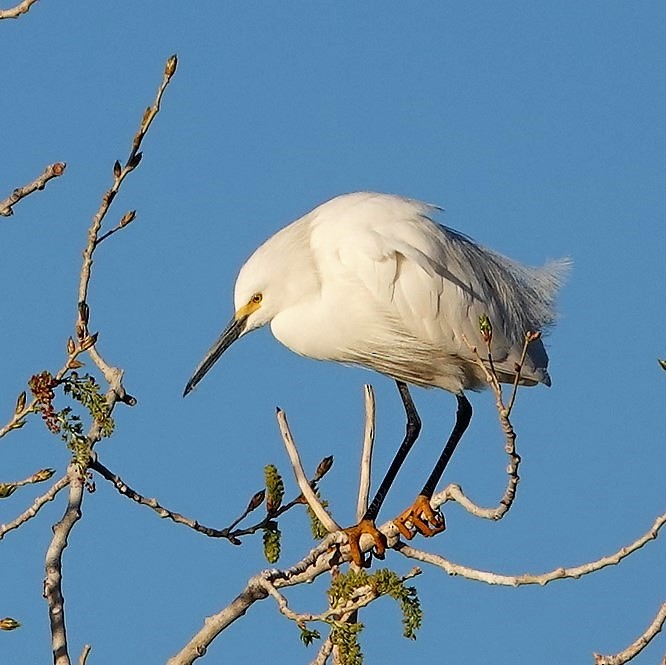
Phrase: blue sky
pixel 540 130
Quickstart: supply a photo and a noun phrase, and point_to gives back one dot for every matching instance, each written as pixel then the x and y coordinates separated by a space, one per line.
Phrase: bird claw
pixel 421 519
pixel 354 534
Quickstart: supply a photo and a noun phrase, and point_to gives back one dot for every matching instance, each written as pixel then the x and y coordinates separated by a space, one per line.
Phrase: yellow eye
pixel 256 298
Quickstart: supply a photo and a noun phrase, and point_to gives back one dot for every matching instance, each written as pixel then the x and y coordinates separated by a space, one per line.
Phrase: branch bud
pixel 20 403
pixel 127 218
pixel 256 500
pixel 170 67
pixel 89 341
pixel 9 624
pixel 42 475
pixel 84 312
pixel 134 160
pixel 323 468
pixel 117 169
pixel 7 489
pixel 486 328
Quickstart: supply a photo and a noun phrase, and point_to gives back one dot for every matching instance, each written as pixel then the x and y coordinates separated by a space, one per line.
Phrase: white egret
pixel 370 279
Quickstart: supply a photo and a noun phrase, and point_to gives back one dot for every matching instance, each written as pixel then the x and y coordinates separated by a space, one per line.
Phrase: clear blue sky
pixel 539 127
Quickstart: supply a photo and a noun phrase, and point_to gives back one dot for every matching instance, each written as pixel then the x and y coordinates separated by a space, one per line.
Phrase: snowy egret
pixel 370 279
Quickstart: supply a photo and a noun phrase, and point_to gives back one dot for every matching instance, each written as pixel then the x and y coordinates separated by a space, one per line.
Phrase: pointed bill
pixel 231 333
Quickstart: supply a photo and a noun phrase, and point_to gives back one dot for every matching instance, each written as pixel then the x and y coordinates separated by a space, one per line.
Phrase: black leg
pixel 463 416
pixel 411 434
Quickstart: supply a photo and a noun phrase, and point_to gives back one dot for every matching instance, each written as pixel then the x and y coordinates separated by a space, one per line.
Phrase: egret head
pixel 268 282
pixel 251 313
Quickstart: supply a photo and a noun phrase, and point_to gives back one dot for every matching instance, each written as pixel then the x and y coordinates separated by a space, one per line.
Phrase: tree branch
pixel 318 561
pixel 366 454
pixel 637 645
pixel 53 579
pixel 23 7
pixel 528 578
pixel 303 484
pixel 113 375
pixel 36 506
pixel 50 172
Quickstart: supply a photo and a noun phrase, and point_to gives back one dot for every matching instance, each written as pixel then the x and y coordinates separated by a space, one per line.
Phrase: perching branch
pixel 14 12
pixel 50 172
pixel 454 492
pixel 543 578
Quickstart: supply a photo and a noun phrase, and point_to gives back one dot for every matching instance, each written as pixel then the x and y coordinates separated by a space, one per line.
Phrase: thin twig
pixel 50 172
pixel 163 512
pixel 527 578
pixel 529 338
pixel 638 644
pixel 36 506
pixel 84 654
pixel 112 374
pixel 303 484
pixel 366 455
pixel 454 492
pixel 14 12
pixel 229 532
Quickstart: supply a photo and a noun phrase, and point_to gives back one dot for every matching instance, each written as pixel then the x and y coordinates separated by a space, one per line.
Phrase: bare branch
pixel 14 12
pixel 112 374
pixel 36 506
pixel 163 512
pixel 50 172
pixel 366 455
pixel 454 492
pixel 637 645
pixel 528 578
pixel 53 579
pixel 84 654
pixel 303 484
pixel 318 561
pixel 324 652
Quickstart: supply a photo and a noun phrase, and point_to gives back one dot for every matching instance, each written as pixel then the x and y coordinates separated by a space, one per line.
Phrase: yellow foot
pixel 421 518
pixel 354 534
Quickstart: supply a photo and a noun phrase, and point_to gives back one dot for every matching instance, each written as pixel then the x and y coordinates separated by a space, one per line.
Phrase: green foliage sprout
pixel 319 531
pixel 345 637
pixel 309 636
pixel 85 390
pixel 274 488
pixel 383 582
pixel 272 542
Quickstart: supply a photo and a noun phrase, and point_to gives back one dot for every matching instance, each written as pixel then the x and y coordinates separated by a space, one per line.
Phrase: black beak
pixel 231 333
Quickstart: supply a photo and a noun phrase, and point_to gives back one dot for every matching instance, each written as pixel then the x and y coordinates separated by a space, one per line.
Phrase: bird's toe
pixel 354 535
pixel 421 518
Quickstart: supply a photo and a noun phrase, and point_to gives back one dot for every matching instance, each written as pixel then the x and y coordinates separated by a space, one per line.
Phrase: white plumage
pixel 371 279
